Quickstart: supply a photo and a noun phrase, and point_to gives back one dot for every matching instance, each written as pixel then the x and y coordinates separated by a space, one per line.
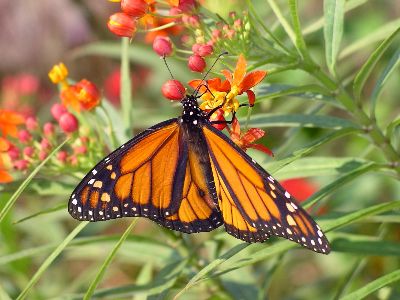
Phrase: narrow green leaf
pixel 50 259
pixel 297 120
pixel 366 69
pixel 285 24
pixel 107 262
pixel 391 66
pixel 25 183
pixel 279 164
pixel 3 294
pixel 164 280
pixel 372 37
pixel 299 40
pixel 373 286
pixel 309 91
pixel 43 212
pixel 348 6
pixel 144 277
pixel 363 245
pixel 319 166
pixel 333 31
pixel 391 127
pixel 331 187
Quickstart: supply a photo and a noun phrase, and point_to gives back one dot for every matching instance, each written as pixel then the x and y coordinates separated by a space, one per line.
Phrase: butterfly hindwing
pixel 253 196
pixel 152 176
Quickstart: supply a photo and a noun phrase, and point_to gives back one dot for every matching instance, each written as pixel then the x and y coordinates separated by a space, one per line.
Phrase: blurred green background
pixel 35 35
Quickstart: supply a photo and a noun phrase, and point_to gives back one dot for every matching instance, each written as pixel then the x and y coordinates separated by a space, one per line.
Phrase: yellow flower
pixel 59 74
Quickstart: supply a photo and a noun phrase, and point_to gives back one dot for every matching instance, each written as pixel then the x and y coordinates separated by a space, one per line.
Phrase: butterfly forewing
pixel 246 188
pixel 154 176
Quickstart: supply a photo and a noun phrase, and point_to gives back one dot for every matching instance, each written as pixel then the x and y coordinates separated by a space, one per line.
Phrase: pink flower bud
pixel 80 150
pixel 62 156
pixel 29 151
pixel 134 8
pixel 68 122
pixel 196 48
pixel 42 155
pixel 205 50
pixel 196 63
pixel 21 164
pixel 48 128
pixel 173 90
pixel 31 123
pixel 24 136
pixel 45 144
pixel 162 46
pixel 57 110
pixel 13 152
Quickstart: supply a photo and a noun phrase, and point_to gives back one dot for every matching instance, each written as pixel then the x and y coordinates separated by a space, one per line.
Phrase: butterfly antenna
pixel 205 76
pixel 172 76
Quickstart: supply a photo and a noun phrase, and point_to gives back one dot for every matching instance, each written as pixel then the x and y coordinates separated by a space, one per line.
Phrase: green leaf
pixel 299 40
pixel 331 187
pixel 373 286
pixel 309 91
pixel 366 69
pixel 318 166
pixel 107 262
pixel 164 280
pixel 50 259
pixel 363 245
pixel 25 183
pixel 372 37
pixel 58 207
pixel 285 24
pixel 232 260
pixel 333 31
pixel 298 120
pixel 348 6
pixel 391 66
pixel 279 164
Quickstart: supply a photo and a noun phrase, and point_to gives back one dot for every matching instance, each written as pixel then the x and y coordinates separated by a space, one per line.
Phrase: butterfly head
pixel 191 114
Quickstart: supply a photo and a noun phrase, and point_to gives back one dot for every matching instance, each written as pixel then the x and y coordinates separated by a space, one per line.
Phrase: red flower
pixel 68 123
pixel 122 24
pixel 299 188
pixel 247 139
pixel 134 8
pixel 162 46
pixel 173 90
pixel 83 95
pixel 196 63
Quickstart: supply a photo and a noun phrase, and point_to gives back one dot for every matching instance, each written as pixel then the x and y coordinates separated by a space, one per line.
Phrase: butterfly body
pixel 187 176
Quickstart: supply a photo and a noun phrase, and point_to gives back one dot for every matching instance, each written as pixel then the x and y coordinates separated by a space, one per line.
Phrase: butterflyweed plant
pixel 325 122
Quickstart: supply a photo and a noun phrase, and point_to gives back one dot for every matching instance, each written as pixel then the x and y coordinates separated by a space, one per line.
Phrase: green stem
pixel 126 89
pixel 114 141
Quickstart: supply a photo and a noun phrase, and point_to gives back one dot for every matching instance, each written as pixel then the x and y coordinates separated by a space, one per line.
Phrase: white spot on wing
pixel 91 181
pixel 287 195
pixel 74 202
pixel 94 172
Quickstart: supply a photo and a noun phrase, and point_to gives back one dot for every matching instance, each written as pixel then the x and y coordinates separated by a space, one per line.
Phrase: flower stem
pixel 126 90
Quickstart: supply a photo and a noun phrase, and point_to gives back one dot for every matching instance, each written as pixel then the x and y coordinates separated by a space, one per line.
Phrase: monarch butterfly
pixel 188 176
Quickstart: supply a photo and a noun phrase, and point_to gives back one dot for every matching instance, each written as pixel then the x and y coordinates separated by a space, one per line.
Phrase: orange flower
pixel 83 95
pixel 9 121
pixel 225 92
pixel 152 23
pixel 5 161
pixel 247 139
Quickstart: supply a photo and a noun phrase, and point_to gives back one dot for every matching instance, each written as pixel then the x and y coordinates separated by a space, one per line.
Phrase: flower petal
pixel 252 97
pixel 261 148
pixel 251 79
pixel 252 135
pixel 5 177
pixel 240 70
pixel 228 75
pixel 195 83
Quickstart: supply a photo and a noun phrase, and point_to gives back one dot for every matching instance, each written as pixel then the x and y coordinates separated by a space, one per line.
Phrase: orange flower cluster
pixel 83 95
pixel 223 93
